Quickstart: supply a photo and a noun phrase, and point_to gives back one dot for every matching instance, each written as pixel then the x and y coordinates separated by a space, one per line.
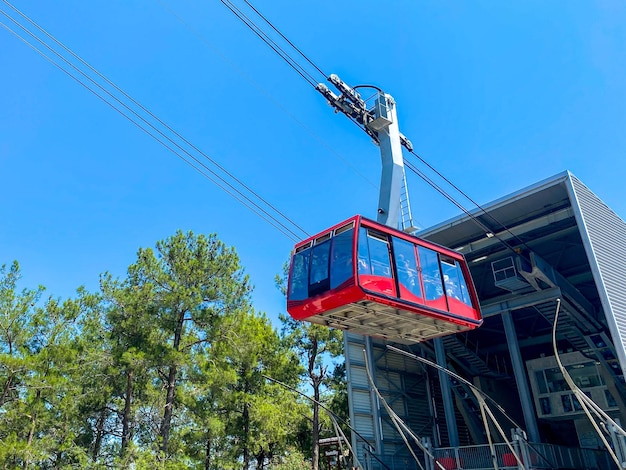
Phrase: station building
pixel 552 245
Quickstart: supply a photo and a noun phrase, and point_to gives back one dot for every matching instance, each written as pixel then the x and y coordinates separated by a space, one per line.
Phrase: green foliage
pixel 40 413
pixel 293 460
pixel 165 368
pixel 317 346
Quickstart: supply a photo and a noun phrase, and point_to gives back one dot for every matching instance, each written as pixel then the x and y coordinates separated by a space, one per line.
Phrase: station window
pixel 577 406
pixel 541 381
pixel 566 401
pixel 610 400
pixel 556 382
pixel 585 375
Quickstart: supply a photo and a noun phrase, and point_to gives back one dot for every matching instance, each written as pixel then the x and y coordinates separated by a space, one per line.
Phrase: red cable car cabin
pixel 370 279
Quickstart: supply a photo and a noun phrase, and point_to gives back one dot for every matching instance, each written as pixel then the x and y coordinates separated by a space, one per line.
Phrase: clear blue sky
pixel 496 95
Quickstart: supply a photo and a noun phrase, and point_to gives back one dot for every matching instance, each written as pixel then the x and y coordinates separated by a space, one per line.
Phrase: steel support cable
pixel 587 404
pixel 441 191
pixel 285 38
pixel 456 377
pixel 486 411
pixel 450 198
pixel 300 69
pixel 267 94
pixel 488 231
pixel 466 196
pixel 156 118
pixel 237 181
pixel 568 378
pixel 250 204
pixel 270 42
pixel 287 58
pixel 148 132
pixel 293 63
pixel 483 416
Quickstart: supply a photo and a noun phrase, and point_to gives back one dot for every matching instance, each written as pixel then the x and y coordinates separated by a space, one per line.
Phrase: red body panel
pixel 325 302
pixel 406 294
pixel 378 284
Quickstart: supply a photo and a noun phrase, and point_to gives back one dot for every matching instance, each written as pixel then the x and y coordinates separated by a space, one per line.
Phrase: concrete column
pixel 520 378
pixel 446 393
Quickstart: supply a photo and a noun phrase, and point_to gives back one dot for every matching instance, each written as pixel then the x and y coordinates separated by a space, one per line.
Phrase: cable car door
pixel 374 263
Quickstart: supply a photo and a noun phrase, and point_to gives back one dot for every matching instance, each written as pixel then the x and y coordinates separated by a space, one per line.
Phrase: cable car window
pixel 365 267
pixel 323 238
pixel 456 287
pixel 429 261
pixel 341 267
pixel 303 247
pixel 379 254
pixel 298 289
pixel 406 267
pixel 319 279
pixel 345 228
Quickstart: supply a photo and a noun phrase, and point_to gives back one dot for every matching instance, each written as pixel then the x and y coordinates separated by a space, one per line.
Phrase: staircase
pixel 458 351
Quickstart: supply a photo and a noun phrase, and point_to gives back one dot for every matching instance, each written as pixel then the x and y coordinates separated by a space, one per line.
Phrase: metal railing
pixel 479 457
pixel 533 456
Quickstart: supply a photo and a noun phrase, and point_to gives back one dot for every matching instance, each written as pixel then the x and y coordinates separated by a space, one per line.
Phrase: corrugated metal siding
pixel 604 236
pixel 361 401
pixel 359 398
pixel 359 377
pixel 355 349
pixel 392 373
pixel 364 425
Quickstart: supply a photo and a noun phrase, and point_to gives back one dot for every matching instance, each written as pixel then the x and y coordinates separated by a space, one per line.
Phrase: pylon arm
pixel 340 103
pixel 347 91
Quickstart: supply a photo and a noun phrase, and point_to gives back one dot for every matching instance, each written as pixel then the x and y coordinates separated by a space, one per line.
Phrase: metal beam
pixel 517 230
pixel 520 378
pixel 446 392
pixel 521 301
